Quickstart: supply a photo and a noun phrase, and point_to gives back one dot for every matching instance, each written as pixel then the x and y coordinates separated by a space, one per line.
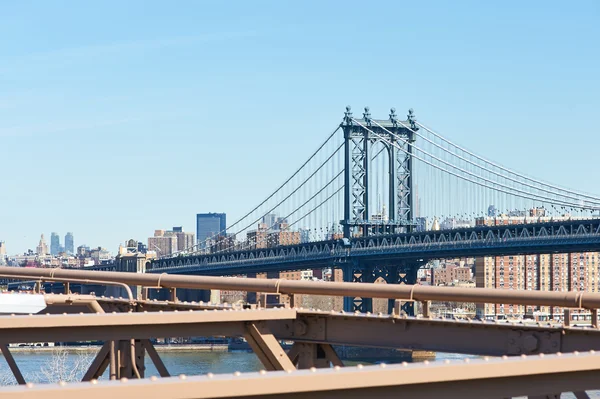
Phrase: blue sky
pixel 117 118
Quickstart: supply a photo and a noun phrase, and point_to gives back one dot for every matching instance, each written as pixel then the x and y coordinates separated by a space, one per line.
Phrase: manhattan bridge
pixel 380 198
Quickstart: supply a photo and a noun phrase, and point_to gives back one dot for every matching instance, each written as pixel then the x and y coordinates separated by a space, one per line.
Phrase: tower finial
pixel 393 116
pixel 348 115
pixel 412 119
pixel 367 116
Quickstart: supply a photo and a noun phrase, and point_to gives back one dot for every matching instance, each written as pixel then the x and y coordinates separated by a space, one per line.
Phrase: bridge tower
pixel 359 137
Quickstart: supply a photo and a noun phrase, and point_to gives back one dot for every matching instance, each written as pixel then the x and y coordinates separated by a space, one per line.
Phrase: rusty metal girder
pixel 59 303
pixel 483 338
pixel 472 379
pixel 468 337
pixel 266 347
pixel 572 299
pixel 124 326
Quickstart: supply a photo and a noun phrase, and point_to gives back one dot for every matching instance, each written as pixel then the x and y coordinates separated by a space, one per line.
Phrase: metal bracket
pixel 525 343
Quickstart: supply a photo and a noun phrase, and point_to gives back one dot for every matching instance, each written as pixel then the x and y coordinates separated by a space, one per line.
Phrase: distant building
pixel 164 244
pixel 100 255
pixel 209 225
pixel 2 252
pixel 42 248
pixel 167 242
pixel 492 211
pixel 184 240
pixel 54 244
pixel 69 245
pixel 421 223
pixel 453 272
pixel 544 272
pixel 83 251
pixel 304 235
pixel 454 223
pixel 263 237
pixel 269 219
pixel 141 247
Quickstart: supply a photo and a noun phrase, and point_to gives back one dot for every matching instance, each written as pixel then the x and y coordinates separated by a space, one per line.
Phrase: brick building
pixel 544 272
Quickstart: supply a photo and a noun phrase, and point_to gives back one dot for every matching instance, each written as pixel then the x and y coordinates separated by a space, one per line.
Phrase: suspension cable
pixel 504 168
pixel 539 197
pixel 197 245
pixel 490 170
pixel 459 176
pixel 297 209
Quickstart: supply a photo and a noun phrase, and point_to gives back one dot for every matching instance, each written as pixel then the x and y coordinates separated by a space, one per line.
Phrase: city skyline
pixel 460 77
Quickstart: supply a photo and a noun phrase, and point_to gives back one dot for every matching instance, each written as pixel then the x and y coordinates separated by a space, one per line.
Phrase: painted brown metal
pixel 71 299
pixel 154 356
pixel 473 379
pixel 467 337
pixel 266 348
pixel 124 326
pixel 10 360
pixel 66 280
pixel 365 290
pixel 99 364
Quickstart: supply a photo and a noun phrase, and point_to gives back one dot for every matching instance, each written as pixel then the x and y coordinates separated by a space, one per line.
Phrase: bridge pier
pixel 356 273
pixel 403 273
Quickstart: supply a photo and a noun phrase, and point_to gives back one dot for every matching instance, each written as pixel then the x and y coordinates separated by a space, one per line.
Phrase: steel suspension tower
pixel 359 136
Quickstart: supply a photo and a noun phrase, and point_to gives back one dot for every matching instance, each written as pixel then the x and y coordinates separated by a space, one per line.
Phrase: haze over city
pixel 118 120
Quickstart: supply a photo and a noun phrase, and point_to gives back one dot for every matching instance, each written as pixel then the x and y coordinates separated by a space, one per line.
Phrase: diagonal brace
pixel 266 348
pixel 12 364
pixel 99 364
pixel 158 363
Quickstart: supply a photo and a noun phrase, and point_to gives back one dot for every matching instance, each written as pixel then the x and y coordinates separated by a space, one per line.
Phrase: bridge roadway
pixel 566 236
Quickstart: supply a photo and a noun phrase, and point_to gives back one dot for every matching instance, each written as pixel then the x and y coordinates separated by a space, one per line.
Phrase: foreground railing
pixel 128 326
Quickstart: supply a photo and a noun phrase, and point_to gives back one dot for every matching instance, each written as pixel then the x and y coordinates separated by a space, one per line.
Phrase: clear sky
pixel 121 117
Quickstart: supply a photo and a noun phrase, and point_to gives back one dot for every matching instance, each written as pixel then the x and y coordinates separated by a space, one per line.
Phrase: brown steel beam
pixel 58 303
pixel 469 337
pixel 473 379
pixel 158 363
pixel 73 300
pixel 266 348
pixel 294 352
pixel 473 337
pixel 124 326
pixel 311 355
pixel 363 290
pixel 10 360
pixel 99 363
pixel 331 355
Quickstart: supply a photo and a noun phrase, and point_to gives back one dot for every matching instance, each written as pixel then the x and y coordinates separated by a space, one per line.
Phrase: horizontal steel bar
pixel 468 337
pixel 121 326
pixel 364 290
pixel 489 378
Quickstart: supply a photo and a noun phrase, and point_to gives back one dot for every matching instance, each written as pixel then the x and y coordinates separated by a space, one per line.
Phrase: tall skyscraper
pixel 2 252
pixel 209 225
pixel 69 246
pixel 269 219
pixel 54 243
pixel 42 248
